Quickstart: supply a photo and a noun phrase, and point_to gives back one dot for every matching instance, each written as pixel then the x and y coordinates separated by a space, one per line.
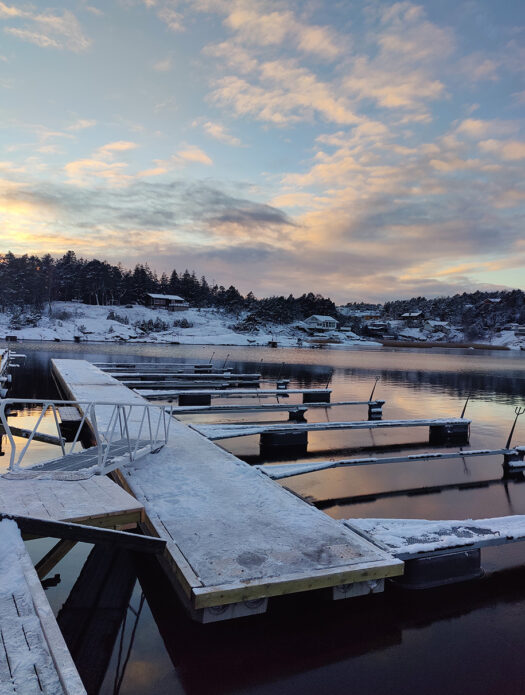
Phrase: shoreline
pixel 432 344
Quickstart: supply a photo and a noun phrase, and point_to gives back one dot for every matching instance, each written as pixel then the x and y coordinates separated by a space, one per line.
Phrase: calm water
pixel 462 639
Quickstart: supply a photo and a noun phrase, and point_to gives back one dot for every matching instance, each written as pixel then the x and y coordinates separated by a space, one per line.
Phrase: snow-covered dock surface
pixel 233 534
pixel 413 538
pixel 34 659
pixel 215 432
pixel 288 470
pixel 96 500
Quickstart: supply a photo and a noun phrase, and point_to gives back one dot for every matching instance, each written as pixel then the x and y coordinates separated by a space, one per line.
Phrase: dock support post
pixel 513 462
pixel 320 396
pixel 270 441
pixel 372 586
pixel 229 611
pixel 375 410
pixel 194 399
pixel 297 415
pixel 449 568
pixel 457 432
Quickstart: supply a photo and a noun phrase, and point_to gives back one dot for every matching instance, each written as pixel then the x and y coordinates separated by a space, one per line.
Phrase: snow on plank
pixel 215 432
pixel 408 539
pixel 288 470
pixel 33 655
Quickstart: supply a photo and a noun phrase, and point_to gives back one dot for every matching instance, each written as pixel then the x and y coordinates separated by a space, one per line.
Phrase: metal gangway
pixel 133 430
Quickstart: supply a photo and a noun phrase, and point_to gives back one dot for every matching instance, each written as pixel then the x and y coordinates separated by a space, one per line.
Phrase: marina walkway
pixel 97 501
pixel 235 537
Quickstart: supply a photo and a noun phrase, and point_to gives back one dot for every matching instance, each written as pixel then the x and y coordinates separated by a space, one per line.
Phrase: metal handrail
pixel 129 416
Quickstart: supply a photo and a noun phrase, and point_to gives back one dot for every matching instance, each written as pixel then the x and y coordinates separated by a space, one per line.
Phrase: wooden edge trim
pixel 206 597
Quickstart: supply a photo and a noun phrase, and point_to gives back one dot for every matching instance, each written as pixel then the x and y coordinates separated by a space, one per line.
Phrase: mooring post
pixel 373 388
pixel 465 407
pixel 375 410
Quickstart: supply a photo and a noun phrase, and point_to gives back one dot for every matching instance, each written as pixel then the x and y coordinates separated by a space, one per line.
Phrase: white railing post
pixel 8 434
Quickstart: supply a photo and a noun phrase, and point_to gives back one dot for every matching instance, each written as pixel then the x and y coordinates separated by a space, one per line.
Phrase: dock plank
pixel 242 535
pixel 34 657
pixel 97 497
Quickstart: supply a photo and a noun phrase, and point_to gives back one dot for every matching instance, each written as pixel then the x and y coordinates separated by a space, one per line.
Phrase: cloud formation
pixel 46 29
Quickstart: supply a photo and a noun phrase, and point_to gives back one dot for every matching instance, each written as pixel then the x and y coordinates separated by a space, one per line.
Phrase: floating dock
pixel 234 537
pixel 296 434
pixel 204 396
pixel 34 659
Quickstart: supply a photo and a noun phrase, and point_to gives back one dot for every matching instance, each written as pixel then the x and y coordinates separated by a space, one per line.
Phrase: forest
pixel 31 281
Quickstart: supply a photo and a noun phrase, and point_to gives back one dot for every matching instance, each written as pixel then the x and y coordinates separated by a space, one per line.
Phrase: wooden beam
pixel 44 566
pixel 86 534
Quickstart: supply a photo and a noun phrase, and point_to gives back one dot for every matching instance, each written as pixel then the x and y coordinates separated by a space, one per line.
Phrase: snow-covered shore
pixel 130 324
pixel 67 320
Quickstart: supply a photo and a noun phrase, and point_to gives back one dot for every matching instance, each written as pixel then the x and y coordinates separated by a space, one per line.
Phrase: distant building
pixel 323 323
pixel 414 319
pixel 437 326
pixel 377 327
pixel 364 314
pixel 519 332
pixel 171 302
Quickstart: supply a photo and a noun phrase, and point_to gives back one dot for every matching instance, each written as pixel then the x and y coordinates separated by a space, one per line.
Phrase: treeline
pixel 477 313
pixel 33 281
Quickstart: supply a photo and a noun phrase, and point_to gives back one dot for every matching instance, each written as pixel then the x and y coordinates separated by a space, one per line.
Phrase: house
pixel 377 327
pixel 519 332
pixel 414 319
pixel 363 314
pixel 437 326
pixel 321 323
pixel 171 302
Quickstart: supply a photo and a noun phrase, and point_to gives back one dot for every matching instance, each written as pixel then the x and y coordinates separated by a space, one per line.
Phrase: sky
pixel 363 149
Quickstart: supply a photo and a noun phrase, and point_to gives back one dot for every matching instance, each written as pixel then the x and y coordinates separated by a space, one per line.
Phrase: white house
pixel 323 323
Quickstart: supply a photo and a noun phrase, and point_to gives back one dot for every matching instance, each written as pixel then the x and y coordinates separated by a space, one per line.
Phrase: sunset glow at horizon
pixel 364 150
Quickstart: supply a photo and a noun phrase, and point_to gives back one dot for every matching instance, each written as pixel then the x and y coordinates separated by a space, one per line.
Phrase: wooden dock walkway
pixel 34 659
pixel 234 537
pixel 288 470
pixel 97 501
pixel 190 376
pixel 204 396
pixel 292 408
pixel 296 434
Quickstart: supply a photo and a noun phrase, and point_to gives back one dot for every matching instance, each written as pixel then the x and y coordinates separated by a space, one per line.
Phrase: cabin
pixel 413 319
pixel 437 326
pixel 377 327
pixel 171 302
pixel 321 323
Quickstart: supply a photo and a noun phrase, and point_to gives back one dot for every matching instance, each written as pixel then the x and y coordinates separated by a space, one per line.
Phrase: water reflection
pixel 462 639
